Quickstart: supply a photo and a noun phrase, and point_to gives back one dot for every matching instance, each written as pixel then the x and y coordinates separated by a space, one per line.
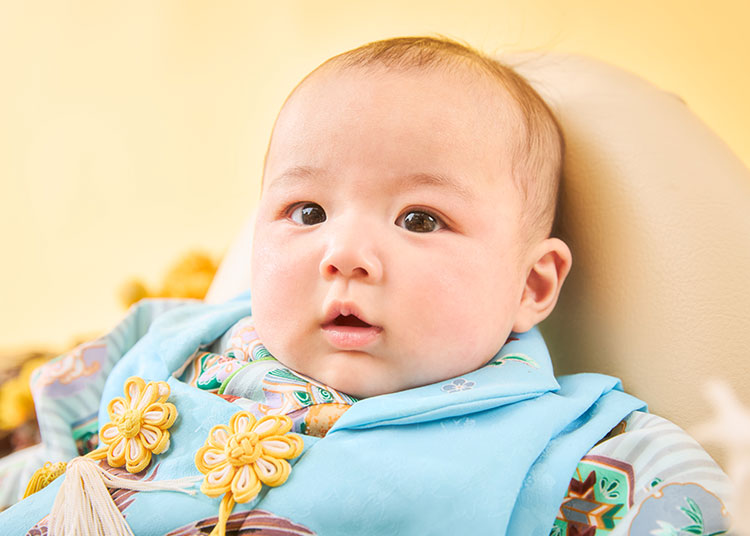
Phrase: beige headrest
pixel 656 210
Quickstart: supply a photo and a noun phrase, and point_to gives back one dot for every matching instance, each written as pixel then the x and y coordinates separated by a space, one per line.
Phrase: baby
pixel 390 379
pixel 404 229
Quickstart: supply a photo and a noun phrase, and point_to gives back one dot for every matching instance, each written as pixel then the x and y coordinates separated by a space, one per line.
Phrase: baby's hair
pixel 539 147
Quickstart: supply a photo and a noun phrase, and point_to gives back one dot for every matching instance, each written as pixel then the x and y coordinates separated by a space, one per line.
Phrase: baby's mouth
pixel 349 332
pixel 349 321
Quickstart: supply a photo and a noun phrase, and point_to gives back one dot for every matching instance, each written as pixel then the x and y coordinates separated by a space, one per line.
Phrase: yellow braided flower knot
pixel 243 448
pixel 139 424
pixel 129 423
pixel 239 458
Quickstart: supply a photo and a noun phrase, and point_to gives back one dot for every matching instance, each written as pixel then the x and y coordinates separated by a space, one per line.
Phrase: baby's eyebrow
pixel 415 180
pixel 293 175
pixel 300 174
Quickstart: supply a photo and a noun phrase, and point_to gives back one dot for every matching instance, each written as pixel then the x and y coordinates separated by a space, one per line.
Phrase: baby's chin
pixel 354 385
pixel 358 384
pixel 362 375
pixel 362 385
pixel 364 391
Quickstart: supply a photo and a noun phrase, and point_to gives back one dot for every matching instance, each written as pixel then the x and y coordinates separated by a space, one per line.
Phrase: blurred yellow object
pixel 16 404
pixel 43 476
pixel 189 277
pixel 132 292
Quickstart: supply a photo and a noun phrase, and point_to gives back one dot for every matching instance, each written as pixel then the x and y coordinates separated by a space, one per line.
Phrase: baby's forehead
pixel 446 88
pixel 465 78
pixel 492 110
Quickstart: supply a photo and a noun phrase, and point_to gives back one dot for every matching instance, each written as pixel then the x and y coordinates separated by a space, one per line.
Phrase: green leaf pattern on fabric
pixel 518 358
pixel 694 513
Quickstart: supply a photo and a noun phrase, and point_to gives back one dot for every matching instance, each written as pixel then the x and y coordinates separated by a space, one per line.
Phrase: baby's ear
pixel 551 261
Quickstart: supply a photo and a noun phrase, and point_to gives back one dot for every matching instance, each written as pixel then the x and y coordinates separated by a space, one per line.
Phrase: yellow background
pixel 131 132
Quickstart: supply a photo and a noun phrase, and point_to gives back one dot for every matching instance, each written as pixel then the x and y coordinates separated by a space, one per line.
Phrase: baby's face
pixel 387 249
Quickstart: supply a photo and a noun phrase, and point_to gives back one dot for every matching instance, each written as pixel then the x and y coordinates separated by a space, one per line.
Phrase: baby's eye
pixel 308 214
pixel 419 221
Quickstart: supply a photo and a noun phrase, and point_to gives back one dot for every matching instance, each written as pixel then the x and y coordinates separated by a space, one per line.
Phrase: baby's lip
pixel 345 328
pixel 345 309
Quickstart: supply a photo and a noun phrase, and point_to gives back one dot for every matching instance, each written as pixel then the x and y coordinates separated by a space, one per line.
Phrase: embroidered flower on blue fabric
pixel 459 384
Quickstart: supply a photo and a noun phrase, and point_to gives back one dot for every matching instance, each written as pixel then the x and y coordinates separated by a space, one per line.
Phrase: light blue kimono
pixel 490 452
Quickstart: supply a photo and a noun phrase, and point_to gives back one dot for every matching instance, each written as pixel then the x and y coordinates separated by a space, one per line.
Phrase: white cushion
pixel 656 210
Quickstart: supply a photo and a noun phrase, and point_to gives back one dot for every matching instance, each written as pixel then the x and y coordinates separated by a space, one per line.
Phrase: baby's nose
pixel 350 254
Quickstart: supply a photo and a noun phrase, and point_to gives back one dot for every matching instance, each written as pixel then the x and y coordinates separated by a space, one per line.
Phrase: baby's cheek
pixel 270 292
pixel 277 263
pixel 442 307
pixel 462 313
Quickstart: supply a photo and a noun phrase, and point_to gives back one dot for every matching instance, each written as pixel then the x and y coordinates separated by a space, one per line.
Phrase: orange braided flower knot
pixel 139 424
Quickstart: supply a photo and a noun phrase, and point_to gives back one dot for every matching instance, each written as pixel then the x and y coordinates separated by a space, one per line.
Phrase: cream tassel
pixel 84 506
